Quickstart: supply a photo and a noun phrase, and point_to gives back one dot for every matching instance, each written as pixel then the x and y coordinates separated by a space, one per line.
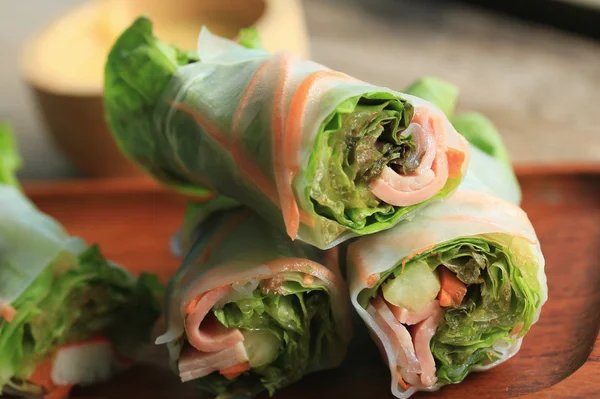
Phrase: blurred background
pixel 533 67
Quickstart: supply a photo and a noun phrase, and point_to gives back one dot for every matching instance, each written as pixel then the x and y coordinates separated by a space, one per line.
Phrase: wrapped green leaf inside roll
pixel 67 315
pixel 319 154
pixel 249 310
pixel 453 291
pixel 491 162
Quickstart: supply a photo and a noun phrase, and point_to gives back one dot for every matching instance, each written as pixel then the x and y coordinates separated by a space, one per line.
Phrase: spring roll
pixel 67 315
pixel 453 291
pixel 319 154
pixel 249 310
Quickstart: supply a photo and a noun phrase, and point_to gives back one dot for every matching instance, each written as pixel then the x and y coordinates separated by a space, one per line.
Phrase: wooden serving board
pixel 133 221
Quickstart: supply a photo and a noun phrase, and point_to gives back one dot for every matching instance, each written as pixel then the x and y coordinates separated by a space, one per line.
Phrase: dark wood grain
pixel 560 358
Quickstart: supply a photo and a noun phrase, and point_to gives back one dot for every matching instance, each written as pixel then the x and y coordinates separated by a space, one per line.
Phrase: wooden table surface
pixel 133 221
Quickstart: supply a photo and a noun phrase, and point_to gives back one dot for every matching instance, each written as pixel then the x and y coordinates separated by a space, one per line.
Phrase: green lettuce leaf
pixel 10 160
pixel 61 291
pixel 75 298
pixel 301 320
pixel 439 92
pixel 360 138
pixel 475 127
pixel 138 69
pixel 482 133
pixel 250 38
pixel 196 214
pixel 500 297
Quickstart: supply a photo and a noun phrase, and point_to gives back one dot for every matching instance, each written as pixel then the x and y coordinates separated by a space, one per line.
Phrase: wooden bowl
pixel 64 63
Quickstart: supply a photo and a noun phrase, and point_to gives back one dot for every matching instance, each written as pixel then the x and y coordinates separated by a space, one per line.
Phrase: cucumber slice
pixel 262 347
pixel 414 288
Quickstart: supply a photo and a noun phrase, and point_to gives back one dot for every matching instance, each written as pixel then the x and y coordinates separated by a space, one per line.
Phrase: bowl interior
pixel 69 55
pixel 178 21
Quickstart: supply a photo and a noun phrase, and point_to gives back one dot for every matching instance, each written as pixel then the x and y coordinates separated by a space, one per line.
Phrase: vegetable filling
pixel 363 136
pixel 86 299
pixel 288 330
pixel 484 302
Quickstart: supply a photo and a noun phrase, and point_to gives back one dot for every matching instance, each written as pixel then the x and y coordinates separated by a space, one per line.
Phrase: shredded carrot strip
pixel 517 329
pixel 189 309
pixel 405 385
pixel 59 392
pixel 222 234
pixel 7 311
pixel 287 200
pixel 213 132
pixel 456 159
pixel 234 371
pixel 246 165
pixel 42 376
pixel 452 290
pixel 293 137
pixel 308 280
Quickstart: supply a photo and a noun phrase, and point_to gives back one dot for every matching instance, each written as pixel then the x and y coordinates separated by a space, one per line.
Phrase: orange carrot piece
pixel 405 385
pixel 517 329
pixel 192 304
pixel 287 200
pixel 452 290
pixel 7 312
pixel 222 234
pixel 234 371
pixel 59 392
pixel 456 159
pixel 308 280
pixel 293 138
pixel 212 131
pixel 42 376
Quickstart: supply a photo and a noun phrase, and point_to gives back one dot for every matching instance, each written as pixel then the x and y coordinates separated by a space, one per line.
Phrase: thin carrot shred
pixel 452 291
pixel 7 312
pixel 59 392
pixel 517 329
pixel 456 159
pixel 192 304
pixel 234 371
pixel 405 385
pixel 42 376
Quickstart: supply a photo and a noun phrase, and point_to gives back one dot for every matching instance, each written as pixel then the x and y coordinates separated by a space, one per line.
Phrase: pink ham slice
pixel 407 317
pixel 431 175
pixel 195 364
pixel 414 352
pixel 401 338
pixel 206 333
pixel 422 334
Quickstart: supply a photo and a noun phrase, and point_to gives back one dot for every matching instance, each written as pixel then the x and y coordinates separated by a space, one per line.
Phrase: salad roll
pixel 453 291
pixel 321 155
pixel 67 315
pixel 249 310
